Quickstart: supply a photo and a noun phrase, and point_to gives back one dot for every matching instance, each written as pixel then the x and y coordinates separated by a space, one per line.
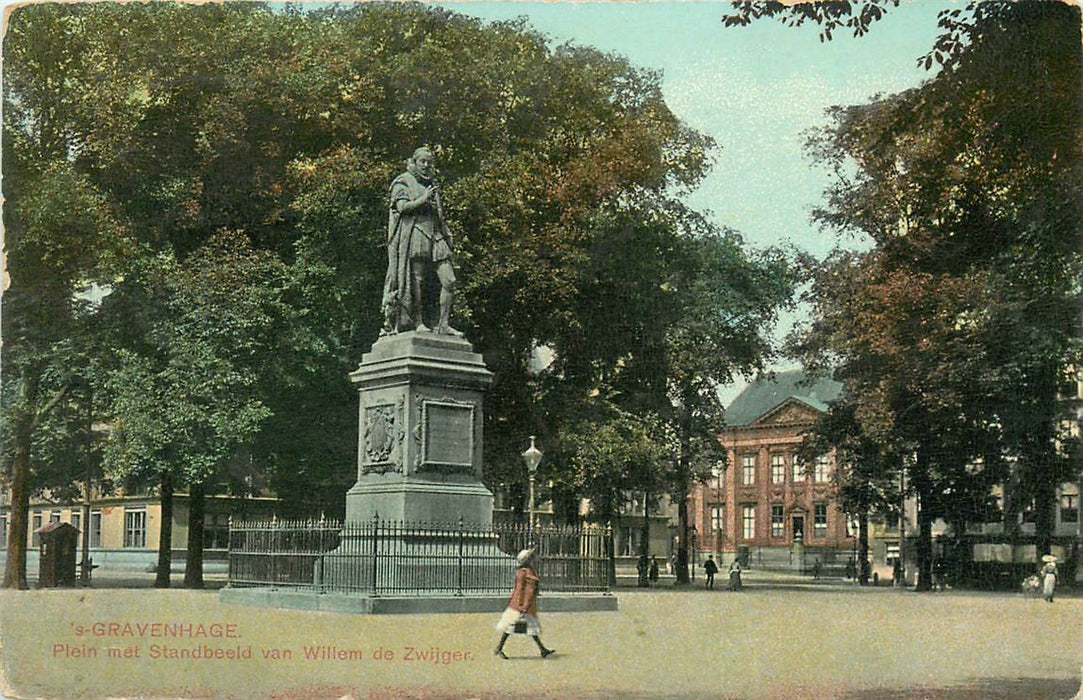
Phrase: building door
pixel 798 528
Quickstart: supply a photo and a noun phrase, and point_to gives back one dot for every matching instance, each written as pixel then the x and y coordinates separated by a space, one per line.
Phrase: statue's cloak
pixel 417 233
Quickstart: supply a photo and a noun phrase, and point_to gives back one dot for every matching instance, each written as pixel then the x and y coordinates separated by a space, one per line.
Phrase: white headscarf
pixel 524 556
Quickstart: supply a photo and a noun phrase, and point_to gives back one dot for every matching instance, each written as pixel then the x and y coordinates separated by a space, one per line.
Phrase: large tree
pixel 184 384
pixel 272 135
pixel 954 329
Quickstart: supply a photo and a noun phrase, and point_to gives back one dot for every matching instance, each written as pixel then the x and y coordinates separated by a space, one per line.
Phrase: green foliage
pixel 184 383
pixel 223 169
pixel 951 333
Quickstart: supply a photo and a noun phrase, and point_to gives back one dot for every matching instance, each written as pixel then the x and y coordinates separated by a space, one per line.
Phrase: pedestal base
pixel 418 500
pixel 416 562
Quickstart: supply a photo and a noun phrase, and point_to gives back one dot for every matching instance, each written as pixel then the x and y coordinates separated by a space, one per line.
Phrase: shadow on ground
pixel 982 689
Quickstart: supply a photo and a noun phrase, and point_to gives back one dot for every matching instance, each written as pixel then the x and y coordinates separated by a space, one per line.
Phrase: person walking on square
pixel 1049 577
pixel 653 573
pixel 521 615
pixel 735 575
pixel 939 574
pixel 710 568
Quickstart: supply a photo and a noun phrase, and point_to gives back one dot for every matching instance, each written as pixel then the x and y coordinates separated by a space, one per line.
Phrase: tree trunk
pixel 23 428
pixel 925 538
pixel 15 567
pixel 863 548
pixel 643 564
pixel 682 545
pixel 165 535
pixel 1045 502
pixel 193 563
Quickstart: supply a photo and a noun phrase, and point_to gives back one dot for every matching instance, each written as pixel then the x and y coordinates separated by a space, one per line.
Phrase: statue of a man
pixel 418 249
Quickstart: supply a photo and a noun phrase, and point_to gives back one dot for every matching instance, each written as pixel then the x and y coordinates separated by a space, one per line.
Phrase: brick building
pixel 766 504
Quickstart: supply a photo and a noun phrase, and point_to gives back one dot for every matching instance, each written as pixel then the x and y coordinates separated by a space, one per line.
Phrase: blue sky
pixel 755 89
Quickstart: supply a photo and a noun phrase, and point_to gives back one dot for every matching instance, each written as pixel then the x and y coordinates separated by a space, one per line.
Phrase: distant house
pixel 767 505
pixel 124 526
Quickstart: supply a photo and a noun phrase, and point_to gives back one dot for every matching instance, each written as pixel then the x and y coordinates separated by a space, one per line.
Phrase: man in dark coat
pixel 418 247
pixel 710 568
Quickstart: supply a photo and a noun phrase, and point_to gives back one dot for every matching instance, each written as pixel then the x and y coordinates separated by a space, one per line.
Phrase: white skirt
pixel 1049 584
pixel 511 616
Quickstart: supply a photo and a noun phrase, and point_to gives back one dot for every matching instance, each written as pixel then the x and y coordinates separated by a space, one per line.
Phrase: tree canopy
pixel 222 171
pixel 952 332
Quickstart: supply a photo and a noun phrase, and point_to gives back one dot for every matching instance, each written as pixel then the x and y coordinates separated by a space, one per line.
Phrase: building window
pixel 717 518
pixel 891 553
pixel 798 470
pixel 778 521
pixel 1069 508
pixel 54 516
pixel 135 527
pixel 35 525
pixel 3 532
pixel 823 469
pixel 819 520
pixel 215 531
pixel 778 468
pixel 77 521
pixel 748 522
pixel 1069 385
pixel 748 470
pixel 95 528
pixel 717 468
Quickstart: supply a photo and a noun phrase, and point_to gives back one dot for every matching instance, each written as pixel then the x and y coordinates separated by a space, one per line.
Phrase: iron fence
pixel 380 557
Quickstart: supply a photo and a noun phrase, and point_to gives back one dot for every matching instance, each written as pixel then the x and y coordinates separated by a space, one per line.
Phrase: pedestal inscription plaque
pixel 429 387
pixel 447 430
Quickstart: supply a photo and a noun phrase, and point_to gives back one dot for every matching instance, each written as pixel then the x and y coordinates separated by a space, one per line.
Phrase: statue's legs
pixel 445 271
pixel 418 268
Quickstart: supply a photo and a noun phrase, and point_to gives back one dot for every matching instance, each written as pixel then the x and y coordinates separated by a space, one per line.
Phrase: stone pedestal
pixel 419 462
pixel 420 432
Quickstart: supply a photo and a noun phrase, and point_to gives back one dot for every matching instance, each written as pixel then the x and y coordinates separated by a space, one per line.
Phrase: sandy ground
pixel 770 641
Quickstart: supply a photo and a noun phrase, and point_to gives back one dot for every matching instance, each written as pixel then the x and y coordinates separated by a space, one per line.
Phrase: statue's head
pixel 422 163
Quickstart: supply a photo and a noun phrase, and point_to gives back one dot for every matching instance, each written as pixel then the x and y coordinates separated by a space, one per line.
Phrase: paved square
pixel 765 642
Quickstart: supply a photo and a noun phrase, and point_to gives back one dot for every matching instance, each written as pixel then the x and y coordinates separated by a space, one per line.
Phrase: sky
pixel 756 90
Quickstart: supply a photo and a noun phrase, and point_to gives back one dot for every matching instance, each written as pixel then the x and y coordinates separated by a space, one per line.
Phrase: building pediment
pixel 792 411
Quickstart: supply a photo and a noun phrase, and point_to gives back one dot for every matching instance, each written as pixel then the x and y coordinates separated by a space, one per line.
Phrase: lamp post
pixel 532 457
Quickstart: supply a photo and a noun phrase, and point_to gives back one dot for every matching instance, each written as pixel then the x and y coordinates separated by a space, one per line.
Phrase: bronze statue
pixel 418 250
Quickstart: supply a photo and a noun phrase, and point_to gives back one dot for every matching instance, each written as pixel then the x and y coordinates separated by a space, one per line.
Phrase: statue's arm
pixel 400 198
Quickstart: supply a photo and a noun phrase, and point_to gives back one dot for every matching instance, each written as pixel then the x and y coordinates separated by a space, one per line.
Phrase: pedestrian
pixel 939 574
pixel 521 615
pixel 816 568
pixel 641 569
pixel 735 575
pixel 1049 577
pixel 851 569
pixel 654 570
pixel 710 568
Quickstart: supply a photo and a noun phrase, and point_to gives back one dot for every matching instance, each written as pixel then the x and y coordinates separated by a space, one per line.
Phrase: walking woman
pixel 521 615
pixel 1049 577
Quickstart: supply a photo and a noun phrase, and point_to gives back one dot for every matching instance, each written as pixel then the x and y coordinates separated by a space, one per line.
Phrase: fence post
pixel 274 550
pixel 375 550
pixel 608 556
pixel 460 556
pixel 229 554
pixel 322 559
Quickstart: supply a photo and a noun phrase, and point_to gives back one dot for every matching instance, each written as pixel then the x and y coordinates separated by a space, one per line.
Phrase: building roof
pixel 768 392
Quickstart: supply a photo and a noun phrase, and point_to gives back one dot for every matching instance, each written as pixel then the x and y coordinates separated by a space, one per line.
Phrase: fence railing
pixel 379 557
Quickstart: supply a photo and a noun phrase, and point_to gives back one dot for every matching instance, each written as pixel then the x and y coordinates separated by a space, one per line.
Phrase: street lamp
pixel 532 457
